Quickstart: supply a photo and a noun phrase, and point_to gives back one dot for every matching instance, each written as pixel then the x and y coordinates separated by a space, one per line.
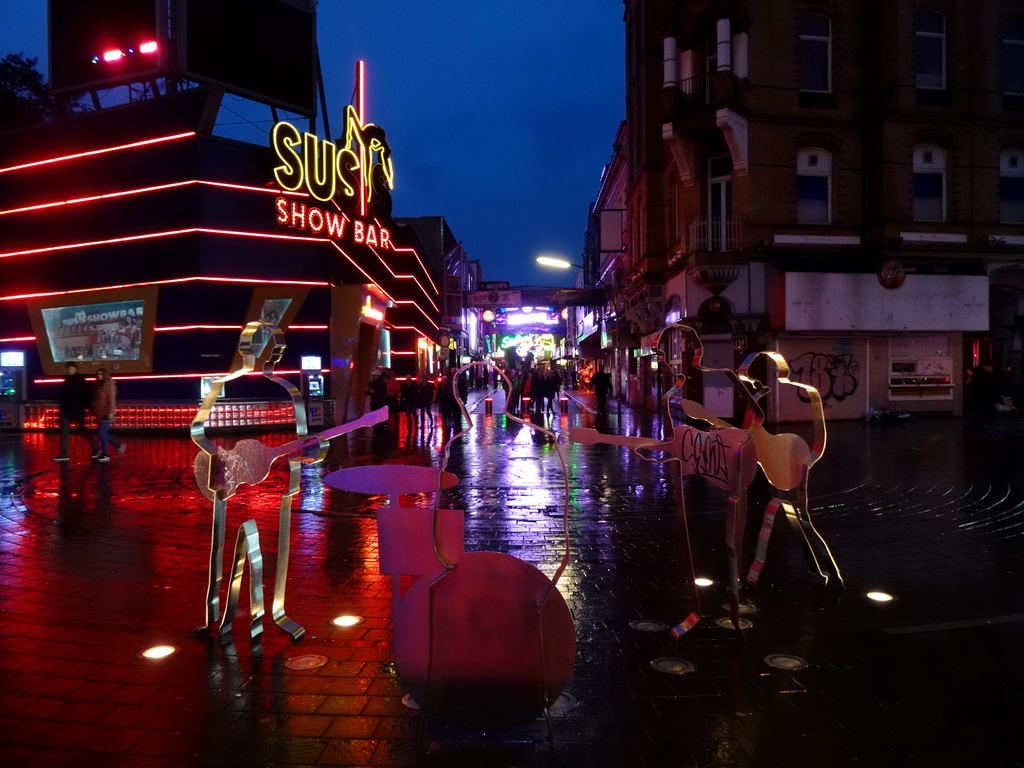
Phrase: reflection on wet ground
pixel 100 561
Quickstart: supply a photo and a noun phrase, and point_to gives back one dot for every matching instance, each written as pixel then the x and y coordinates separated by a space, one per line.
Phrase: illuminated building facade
pixel 840 182
pixel 213 232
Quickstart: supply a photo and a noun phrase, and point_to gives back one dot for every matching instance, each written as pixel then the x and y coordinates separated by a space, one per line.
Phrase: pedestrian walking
pixel 377 389
pixel 74 397
pixel 602 382
pixel 410 401
pixel 104 407
pixel 425 400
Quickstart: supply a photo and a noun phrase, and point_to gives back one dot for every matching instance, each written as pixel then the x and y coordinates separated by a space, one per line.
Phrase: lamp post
pixel 557 262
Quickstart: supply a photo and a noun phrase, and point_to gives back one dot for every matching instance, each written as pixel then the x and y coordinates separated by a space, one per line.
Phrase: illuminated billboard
pixel 112 329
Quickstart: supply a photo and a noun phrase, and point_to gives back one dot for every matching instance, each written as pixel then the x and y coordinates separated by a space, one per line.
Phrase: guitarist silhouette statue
pixel 219 472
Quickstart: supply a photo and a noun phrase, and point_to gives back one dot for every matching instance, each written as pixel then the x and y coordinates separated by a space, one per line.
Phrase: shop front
pixel 133 239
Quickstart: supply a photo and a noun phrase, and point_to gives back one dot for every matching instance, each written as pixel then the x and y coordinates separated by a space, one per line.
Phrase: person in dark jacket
pixel 410 401
pixel 425 400
pixel 602 382
pixel 74 396
pixel 378 392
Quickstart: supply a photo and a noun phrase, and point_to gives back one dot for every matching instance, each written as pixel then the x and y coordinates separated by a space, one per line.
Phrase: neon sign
pixel 531 318
pixel 335 224
pixel 371 312
pixel 356 177
pixel 359 173
pixel 528 341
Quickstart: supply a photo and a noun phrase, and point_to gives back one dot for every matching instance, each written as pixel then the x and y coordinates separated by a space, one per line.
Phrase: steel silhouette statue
pixel 219 472
pixel 723 455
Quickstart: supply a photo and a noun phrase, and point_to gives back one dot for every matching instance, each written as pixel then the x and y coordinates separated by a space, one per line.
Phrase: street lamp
pixel 557 262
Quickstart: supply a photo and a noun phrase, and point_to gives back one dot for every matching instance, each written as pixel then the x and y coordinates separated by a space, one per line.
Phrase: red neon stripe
pixel 171 281
pixel 143 190
pixel 229 328
pixel 153 376
pixel 12 339
pixel 396 276
pixel 92 152
pixel 417 255
pixel 157 235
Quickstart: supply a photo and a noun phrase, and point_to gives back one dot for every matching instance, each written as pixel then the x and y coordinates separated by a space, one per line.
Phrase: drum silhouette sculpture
pixel 482 639
pixel 725 456
pixel 219 472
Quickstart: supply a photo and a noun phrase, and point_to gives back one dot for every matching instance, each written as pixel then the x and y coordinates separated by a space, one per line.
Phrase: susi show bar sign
pixel 353 180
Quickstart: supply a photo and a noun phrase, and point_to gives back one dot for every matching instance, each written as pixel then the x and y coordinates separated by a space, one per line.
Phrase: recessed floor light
pixel 673 666
pixel 785 661
pixel 702 581
pixel 880 597
pixel 648 625
pixel 306 661
pixel 726 623
pixel 158 652
pixel 347 621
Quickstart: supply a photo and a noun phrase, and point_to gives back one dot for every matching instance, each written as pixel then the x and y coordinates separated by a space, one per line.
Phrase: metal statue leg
pixel 736 523
pixel 818 554
pixel 247 547
pixel 762 541
pixel 296 630
pixel 216 563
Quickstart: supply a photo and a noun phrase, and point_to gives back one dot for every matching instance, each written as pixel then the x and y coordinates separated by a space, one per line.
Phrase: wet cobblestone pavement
pixel 98 562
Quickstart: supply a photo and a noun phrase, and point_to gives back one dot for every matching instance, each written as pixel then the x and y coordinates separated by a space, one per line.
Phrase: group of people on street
pixel 78 395
pixel 415 397
pixel 541 385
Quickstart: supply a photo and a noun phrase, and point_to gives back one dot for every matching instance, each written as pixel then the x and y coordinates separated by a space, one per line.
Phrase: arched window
pixel 813 186
pixel 930 50
pixel 1012 63
pixel 815 53
pixel 1011 186
pixel 929 183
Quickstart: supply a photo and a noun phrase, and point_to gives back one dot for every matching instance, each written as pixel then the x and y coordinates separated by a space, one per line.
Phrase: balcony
pixel 714 259
pixel 692 105
pixel 716 233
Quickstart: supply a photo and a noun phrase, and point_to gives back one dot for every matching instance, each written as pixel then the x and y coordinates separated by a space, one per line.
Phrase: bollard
pixel 488 405
pixel 565 404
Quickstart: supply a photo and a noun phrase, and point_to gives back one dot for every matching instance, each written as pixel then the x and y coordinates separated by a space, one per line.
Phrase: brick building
pixel 842 182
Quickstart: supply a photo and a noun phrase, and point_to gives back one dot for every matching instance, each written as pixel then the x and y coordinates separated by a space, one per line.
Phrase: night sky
pixel 500 116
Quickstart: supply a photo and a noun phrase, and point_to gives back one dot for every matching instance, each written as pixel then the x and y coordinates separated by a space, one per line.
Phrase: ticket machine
pixel 312 387
pixel 12 389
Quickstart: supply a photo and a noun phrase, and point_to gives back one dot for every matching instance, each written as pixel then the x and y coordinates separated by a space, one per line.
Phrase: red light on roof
pixel 113 55
pixel 148 47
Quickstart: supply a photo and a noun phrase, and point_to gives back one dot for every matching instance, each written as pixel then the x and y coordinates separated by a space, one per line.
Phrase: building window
pixel 815 53
pixel 710 65
pixel 1013 57
pixel 930 50
pixel 813 186
pixel 929 183
pixel 1011 186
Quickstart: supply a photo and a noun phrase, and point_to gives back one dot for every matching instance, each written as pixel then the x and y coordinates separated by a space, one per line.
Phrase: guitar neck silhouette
pixel 248 462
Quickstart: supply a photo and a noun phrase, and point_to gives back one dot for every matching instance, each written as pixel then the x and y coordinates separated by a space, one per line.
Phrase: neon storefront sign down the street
pixel 528 341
